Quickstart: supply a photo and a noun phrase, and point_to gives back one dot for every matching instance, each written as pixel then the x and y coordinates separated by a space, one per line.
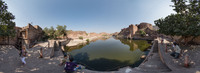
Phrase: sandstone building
pixel 31 34
pixel 27 35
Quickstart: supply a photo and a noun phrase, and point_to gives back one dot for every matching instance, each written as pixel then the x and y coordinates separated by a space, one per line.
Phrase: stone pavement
pixel 176 65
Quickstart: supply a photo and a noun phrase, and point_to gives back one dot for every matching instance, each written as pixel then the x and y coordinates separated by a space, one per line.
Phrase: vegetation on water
pixel 186 21
pixel 6 21
pixel 136 44
pixel 52 33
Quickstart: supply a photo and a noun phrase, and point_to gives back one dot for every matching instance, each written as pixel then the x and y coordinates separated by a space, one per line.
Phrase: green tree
pixel 53 34
pixel 50 32
pixel 61 30
pixel 46 30
pixel 186 21
pixel 6 21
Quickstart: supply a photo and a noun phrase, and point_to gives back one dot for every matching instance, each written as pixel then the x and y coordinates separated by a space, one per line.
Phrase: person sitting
pixel 64 60
pixel 176 52
pixel 69 66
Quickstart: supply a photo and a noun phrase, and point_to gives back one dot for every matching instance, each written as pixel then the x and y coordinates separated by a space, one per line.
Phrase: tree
pixel 6 21
pixel 53 34
pixel 186 21
pixel 61 30
pixel 50 32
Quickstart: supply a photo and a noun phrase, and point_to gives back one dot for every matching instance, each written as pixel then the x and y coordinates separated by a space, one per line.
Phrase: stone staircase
pixel 153 63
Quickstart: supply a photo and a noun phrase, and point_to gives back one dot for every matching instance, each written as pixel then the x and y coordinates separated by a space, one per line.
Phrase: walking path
pixel 176 65
pixel 11 63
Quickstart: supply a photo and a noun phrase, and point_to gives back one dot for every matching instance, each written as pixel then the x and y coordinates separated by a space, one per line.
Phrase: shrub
pixel 88 40
pixel 105 35
pixel 142 33
pixel 81 37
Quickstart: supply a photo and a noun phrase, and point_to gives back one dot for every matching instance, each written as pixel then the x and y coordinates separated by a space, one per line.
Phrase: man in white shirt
pixel 176 52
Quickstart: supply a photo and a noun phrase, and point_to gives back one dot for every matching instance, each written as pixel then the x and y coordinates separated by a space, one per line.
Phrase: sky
pixel 88 15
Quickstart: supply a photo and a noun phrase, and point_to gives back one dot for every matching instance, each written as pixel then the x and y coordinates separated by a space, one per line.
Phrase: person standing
pixel 23 55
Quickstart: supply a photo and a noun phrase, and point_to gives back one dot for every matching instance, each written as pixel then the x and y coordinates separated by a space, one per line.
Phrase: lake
pixel 109 54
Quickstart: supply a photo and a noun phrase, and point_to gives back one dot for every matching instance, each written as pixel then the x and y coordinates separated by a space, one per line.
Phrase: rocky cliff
pixel 128 32
pixel 76 34
pixel 84 34
pixel 134 31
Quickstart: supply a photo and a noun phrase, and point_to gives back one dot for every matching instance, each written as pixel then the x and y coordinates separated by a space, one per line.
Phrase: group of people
pixel 69 65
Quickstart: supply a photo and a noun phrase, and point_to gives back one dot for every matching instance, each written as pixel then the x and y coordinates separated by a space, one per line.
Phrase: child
pixel 69 66
pixel 23 55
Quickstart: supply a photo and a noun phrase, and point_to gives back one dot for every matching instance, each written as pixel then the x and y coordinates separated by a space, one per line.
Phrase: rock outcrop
pixel 134 31
pixel 76 34
pixel 145 25
pixel 128 32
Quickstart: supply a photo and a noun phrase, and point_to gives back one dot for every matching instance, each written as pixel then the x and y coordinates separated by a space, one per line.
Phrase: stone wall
pixel 31 34
pixel 181 39
pixel 26 35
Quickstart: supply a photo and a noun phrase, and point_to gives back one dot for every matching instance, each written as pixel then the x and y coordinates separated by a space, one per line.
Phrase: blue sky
pixel 88 15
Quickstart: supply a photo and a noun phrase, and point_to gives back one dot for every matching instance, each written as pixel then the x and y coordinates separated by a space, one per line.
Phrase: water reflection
pixel 110 54
pixel 135 44
pixel 101 64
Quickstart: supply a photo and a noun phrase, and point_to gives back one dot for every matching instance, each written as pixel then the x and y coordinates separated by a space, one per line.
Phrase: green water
pixel 109 54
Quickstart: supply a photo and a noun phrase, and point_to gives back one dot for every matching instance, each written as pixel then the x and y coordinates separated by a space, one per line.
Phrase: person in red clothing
pixel 69 66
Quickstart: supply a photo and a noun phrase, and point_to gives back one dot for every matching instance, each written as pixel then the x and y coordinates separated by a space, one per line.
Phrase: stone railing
pixel 55 45
pixel 167 59
pixel 153 48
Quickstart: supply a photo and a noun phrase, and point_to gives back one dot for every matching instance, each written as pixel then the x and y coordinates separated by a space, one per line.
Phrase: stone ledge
pixel 150 52
pixel 167 59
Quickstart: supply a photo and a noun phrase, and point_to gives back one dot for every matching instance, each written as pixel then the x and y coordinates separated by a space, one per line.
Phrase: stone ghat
pixel 152 63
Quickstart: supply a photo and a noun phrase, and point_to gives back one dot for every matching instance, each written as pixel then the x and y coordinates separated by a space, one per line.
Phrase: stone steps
pixel 151 70
pixel 154 63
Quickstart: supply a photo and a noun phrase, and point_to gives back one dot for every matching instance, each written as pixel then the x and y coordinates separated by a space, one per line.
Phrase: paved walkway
pixel 153 63
pixel 11 63
pixel 176 65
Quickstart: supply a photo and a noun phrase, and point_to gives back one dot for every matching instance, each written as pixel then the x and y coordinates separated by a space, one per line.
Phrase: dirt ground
pixel 10 61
